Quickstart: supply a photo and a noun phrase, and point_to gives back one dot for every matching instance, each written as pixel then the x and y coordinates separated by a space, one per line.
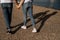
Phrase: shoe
pixel 9 31
pixel 34 30
pixel 23 27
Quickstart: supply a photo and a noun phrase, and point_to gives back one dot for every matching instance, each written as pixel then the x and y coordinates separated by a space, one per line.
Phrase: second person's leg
pixel 30 11
pixel 25 16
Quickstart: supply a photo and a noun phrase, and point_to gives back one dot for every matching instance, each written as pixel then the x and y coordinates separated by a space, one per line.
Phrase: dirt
pixel 47 24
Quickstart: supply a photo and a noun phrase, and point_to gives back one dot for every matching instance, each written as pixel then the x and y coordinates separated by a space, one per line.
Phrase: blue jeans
pixel 27 7
pixel 7 11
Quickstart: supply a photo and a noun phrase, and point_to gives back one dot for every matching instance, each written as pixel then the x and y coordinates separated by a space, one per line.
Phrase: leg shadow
pixel 38 15
pixel 17 28
pixel 44 19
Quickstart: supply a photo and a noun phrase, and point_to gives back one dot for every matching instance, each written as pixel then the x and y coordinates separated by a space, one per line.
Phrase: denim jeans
pixel 27 7
pixel 7 11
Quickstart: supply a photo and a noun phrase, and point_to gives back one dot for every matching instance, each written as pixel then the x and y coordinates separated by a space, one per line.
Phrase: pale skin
pixel 20 4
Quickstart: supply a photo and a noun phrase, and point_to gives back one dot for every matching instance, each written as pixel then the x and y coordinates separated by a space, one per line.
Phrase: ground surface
pixel 47 23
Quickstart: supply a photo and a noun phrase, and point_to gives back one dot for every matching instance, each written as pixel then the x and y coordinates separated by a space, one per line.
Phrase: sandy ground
pixel 47 23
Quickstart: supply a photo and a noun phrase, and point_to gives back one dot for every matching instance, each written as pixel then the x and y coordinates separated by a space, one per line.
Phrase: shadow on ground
pixel 41 16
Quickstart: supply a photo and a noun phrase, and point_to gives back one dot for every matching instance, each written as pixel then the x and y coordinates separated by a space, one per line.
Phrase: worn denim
pixel 27 8
pixel 7 11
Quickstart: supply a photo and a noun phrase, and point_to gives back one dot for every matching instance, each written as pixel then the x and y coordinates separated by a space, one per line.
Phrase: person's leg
pixel 7 11
pixel 25 15
pixel 30 11
pixel 10 13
